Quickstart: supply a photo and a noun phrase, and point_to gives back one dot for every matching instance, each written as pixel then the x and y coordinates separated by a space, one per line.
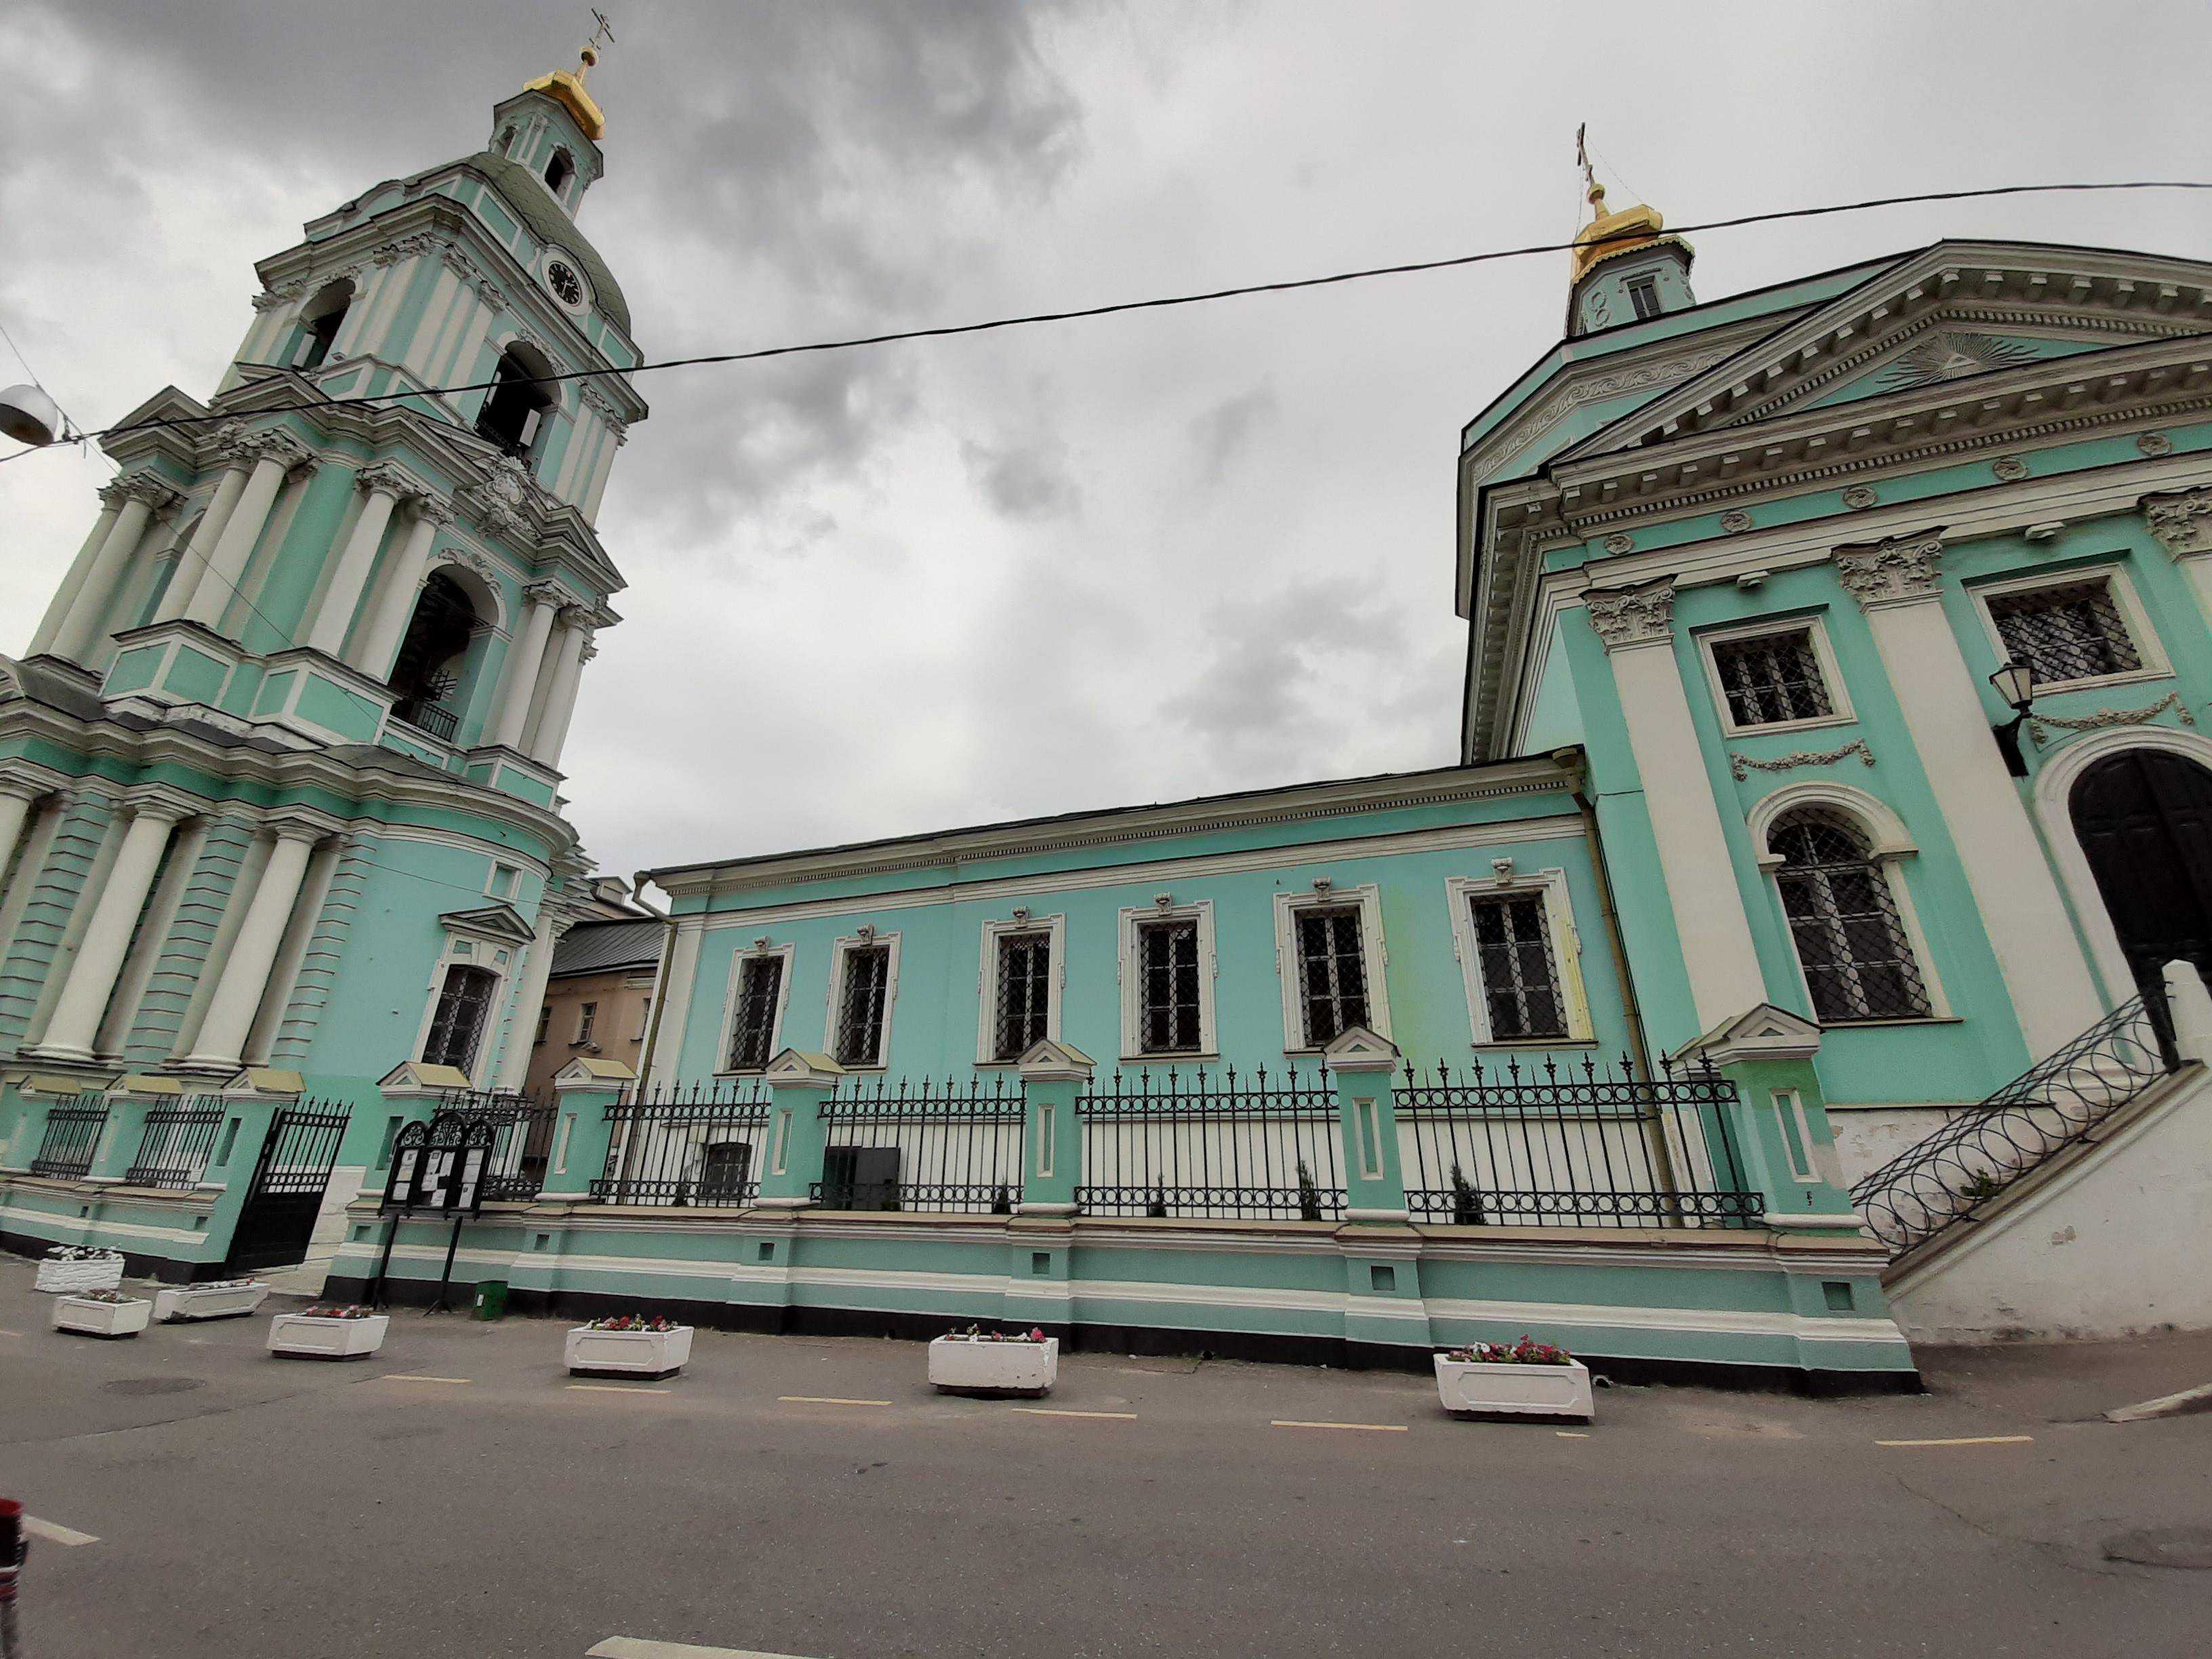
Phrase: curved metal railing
pixel 2054 1103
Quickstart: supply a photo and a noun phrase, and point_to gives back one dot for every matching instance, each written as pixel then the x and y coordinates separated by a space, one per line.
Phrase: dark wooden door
pixel 2144 818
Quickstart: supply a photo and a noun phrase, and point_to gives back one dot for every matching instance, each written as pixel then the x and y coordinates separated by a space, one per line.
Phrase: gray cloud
pixel 1023 481
pixel 1224 431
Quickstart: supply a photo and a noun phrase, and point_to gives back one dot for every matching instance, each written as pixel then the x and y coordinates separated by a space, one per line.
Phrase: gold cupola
pixel 1627 267
pixel 566 87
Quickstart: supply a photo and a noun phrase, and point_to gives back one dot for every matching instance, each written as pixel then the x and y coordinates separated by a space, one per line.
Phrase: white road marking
pixel 612 1388
pixel 54 1533
pixel 1374 1428
pixel 410 1376
pixel 825 1400
pixel 1048 1411
pixel 1967 1440
pixel 11 1333
pixel 636 1647
pixel 1571 1434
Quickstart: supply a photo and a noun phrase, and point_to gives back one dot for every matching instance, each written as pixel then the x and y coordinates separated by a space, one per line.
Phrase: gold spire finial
pixel 602 34
pixel 567 85
pixel 1609 233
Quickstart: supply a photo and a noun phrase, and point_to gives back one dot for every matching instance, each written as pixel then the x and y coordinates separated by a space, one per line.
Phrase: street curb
pixel 2167 1405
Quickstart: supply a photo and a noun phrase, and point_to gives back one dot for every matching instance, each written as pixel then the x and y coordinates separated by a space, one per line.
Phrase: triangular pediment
pixel 415 1077
pixel 802 1065
pixel 1356 1046
pixel 265 1080
pixel 585 1069
pixel 1953 312
pixel 1049 1059
pixel 1764 1032
pixel 502 923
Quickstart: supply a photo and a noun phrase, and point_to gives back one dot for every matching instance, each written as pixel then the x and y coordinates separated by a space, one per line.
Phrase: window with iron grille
pixel 1769 678
pixel 760 985
pixel 1168 1010
pixel 1858 962
pixel 1331 972
pixel 862 994
pixel 1643 294
pixel 457 1025
pixel 1517 966
pixel 2073 631
pixel 1024 994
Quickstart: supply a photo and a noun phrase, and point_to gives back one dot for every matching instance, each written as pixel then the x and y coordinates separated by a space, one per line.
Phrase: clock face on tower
pixel 568 287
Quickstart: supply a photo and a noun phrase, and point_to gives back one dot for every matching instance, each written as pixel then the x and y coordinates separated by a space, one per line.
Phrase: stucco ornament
pixel 270 443
pixel 2009 468
pixel 1735 521
pixel 1742 766
pixel 2181 521
pixel 1859 497
pixel 1634 616
pixel 1899 572
pixel 388 478
pixel 2155 443
pixel 1620 542
pixel 2106 719
pixel 139 487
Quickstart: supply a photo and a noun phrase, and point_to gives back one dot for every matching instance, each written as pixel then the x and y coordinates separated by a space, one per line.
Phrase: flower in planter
pixel 977 1333
pixel 349 1310
pixel 81 1253
pixel 224 1284
pixel 631 1323
pixel 1526 1352
pixel 110 1296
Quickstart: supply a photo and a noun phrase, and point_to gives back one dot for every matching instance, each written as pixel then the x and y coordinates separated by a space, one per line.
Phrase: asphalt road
pixel 245 1505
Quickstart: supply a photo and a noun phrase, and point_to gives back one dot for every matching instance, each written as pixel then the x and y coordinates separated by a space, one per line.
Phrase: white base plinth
pixel 958 1366
pixel 102 1318
pixel 177 1303
pixel 69 1278
pixel 295 1336
pixel 1516 1390
pixel 627 1353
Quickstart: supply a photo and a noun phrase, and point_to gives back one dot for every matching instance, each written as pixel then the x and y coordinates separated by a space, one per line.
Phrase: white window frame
pixel 507 891
pixel 839 951
pixel 464 951
pixel 2141 633
pixel 1373 957
pixel 1130 969
pixel 729 1031
pixel 987 981
pixel 1566 954
pixel 588 1018
pixel 1832 676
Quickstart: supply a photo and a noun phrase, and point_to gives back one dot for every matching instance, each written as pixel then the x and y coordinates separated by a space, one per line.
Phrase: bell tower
pixel 1627 267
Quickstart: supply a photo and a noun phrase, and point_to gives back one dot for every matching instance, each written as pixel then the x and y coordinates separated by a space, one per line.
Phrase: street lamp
pixel 2015 683
pixel 29 416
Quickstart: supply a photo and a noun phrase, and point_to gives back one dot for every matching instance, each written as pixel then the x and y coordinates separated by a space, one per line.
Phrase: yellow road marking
pixel 11 1333
pixel 825 1400
pixel 1377 1428
pixel 1048 1410
pixel 613 1388
pixel 56 1532
pixel 1967 1440
pixel 410 1376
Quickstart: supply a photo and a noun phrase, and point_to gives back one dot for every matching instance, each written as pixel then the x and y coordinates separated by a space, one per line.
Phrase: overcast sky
pixel 1077 565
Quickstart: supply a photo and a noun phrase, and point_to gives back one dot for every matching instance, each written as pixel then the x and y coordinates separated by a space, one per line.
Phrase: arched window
pixel 558 171
pixel 321 319
pixel 506 145
pixel 1843 919
pixel 426 673
pixel 514 411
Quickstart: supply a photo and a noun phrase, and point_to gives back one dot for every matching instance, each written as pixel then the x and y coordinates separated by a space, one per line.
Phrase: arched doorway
pixel 426 673
pixel 2144 820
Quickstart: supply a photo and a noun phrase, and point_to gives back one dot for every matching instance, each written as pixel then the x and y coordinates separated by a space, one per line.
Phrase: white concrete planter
pixel 627 1353
pixel 1516 1390
pixel 298 1337
pixel 102 1318
pixel 177 1303
pixel 99 1272
pixel 959 1365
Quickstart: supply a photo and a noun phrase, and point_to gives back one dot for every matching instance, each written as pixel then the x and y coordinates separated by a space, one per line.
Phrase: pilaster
pixel 799 1082
pixel 1052 1075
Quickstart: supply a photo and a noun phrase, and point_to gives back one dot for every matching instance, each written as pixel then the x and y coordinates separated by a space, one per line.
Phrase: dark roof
pixel 600 947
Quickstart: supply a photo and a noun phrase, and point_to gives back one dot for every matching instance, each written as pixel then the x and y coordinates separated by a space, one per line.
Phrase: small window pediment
pixel 1764 1032
pixel 502 923
pixel 1359 1048
pixel 801 1065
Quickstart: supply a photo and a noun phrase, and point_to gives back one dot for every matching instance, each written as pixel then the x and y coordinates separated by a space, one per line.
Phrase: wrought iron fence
pixel 72 1138
pixel 950 1147
pixel 699 1146
pixel 174 1147
pixel 522 1140
pixel 1178 1143
pixel 1572 1146
pixel 1972 1158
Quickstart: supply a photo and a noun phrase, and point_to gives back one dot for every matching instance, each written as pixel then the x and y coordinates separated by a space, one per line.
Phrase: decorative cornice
pixel 271 443
pixel 139 487
pixel 1904 570
pixel 406 247
pixel 1742 766
pixel 429 509
pixel 1629 617
pixel 392 480
pixel 2181 520
pixel 2103 719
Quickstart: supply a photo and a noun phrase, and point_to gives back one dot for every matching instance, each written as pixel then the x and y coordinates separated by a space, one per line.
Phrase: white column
pixel 667 1060
pixel 16 799
pixel 245 974
pixel 275 454
pixel 111 505
pixel 1638 627
pixel 1896 584
pixel 100 953
pixel 395 605
pixel 192 558
pixel 522 1027
pixel 519 679
pixel 552 726
pixel 385 486
pixel 80 629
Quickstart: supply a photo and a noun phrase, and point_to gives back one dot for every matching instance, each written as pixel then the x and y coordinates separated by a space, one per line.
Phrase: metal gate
pixel 287 1194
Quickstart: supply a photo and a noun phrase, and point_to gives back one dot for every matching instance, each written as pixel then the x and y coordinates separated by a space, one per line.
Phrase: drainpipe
pixel 1575 763
pixel 659 977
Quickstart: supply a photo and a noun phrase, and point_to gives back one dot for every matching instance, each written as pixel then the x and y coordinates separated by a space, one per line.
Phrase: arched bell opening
pixel 439 654
pixel 321 319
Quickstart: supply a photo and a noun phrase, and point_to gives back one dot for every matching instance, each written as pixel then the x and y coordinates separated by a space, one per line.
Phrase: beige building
pixel 599 996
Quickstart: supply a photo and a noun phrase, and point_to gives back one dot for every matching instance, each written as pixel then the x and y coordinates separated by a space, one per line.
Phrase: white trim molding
pixel 1815 628
pixel 2141 632
pixel 1129 971
pixel 471 951
pixel 1054 928
pixel 1566 953
pixel 1374 959
pixel 760 950
pixel 840 951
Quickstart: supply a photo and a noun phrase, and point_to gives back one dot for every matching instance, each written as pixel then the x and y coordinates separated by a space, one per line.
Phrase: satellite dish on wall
pixel 29 416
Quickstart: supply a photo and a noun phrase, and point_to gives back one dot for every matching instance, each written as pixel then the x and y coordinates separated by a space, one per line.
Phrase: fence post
pixel 128 1103
pixel 1053 1074
pixel 2189 1006
pixel 799 1082
pixel 411 1092
pixel 1361 1066
pixel 1776 1119
pixel 583 1089
pixel 37 1096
